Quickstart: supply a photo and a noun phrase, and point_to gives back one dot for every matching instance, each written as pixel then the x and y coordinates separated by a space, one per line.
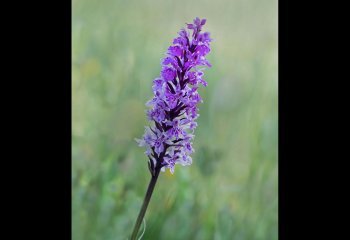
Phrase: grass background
pixel 230 190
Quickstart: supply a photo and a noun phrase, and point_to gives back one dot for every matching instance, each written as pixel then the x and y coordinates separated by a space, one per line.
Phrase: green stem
pixel 147 199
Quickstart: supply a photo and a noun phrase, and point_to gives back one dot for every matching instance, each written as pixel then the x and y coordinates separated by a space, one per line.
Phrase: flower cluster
pixel 173 108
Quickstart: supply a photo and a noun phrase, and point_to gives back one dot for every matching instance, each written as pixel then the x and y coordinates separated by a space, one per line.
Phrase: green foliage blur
pixel 230 191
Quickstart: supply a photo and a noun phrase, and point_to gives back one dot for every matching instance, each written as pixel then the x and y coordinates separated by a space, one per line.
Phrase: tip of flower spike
pixel 197 23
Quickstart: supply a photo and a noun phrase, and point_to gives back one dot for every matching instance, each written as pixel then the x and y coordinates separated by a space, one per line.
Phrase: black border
pixel 40 192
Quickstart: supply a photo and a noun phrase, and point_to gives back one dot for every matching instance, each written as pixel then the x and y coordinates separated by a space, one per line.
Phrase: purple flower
pixel 168 73
pixel 173 109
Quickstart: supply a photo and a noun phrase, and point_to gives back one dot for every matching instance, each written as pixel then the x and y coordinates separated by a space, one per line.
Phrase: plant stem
pixel 147 199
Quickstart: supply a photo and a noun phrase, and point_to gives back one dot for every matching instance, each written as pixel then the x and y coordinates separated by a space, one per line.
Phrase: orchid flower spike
pixel 173 109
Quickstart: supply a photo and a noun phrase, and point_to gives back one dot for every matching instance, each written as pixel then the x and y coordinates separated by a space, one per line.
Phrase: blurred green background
pixel 231 190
